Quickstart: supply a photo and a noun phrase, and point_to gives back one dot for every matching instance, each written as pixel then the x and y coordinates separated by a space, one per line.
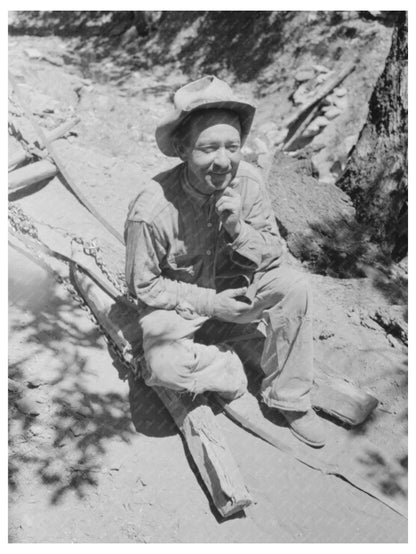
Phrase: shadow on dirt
pixel 342 249
pixel 60 423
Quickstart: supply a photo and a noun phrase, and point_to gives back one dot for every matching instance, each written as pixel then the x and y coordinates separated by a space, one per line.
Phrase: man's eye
pixel 207 149
pixel 233 147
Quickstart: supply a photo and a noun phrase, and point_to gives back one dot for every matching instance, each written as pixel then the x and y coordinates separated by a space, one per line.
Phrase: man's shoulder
pixel 152 199
pixel 248 171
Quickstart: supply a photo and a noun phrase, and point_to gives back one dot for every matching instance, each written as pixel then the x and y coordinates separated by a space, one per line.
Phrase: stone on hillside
pixel 349 142
pixel 276 137
pixel 341 102
pixel 321 68
pixel 321 121
pixel 317 220
pixel 304 75
pixel 340 91
pixel 33 53
pixel 331 112
pixel 260 147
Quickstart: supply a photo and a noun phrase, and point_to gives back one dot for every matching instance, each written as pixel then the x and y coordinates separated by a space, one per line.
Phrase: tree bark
pixel 376 174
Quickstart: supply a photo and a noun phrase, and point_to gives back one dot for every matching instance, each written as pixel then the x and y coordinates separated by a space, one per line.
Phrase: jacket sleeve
pixel 259 242
pixel 144 252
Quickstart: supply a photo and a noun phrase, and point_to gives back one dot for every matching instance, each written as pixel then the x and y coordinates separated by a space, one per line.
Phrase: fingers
pixel 230 192
pixel 227 203
pixel 237 292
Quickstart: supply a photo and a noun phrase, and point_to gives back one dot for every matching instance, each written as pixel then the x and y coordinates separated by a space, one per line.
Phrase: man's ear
pixel 180 150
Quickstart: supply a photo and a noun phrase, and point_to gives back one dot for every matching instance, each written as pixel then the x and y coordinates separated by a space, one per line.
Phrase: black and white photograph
pixel 208 276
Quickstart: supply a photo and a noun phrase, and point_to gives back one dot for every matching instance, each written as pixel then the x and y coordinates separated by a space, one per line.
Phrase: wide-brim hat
pixel 203 94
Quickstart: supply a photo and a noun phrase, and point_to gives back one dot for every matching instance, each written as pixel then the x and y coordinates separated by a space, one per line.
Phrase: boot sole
pixel 305 440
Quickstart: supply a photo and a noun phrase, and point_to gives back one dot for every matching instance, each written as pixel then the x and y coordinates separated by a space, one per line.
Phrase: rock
pixel 326 334
pixel 311 130
pixel 15 386
pixel 340 91
pixel 320 68
pixel 33 53
pixel 350 142
pixel 276 137
pixel 393 342
pixel 321 121
pixel 341 102
pixel 316 219
pixel 54 60
pixel 321 78
pixel 331 112
pixel 304 75
pixel 28 406
pixel 260 147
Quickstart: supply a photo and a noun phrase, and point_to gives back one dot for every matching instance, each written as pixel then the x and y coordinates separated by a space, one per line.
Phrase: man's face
pixel 212 150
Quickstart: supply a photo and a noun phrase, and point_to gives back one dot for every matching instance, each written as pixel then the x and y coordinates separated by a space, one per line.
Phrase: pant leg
pixel 283 300
pixel 175 361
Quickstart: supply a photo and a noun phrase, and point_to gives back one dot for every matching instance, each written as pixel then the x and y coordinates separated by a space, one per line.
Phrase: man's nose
pixel 221 159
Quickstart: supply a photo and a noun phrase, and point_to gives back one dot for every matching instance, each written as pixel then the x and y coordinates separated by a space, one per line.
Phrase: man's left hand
pixel 228 207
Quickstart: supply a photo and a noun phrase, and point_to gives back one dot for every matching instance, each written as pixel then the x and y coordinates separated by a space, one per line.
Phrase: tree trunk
pixel 376 174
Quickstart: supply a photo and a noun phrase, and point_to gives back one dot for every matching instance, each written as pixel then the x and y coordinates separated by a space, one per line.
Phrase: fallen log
pixel 314 111
pixel 59 132
pixel 194 418
pixel 65 176
pixel 31 174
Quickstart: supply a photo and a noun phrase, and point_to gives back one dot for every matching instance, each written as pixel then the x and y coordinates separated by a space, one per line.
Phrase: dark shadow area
pixel 342 249
pixel 27 190
pixel 58 428
pixel 148 412
pixel 390 480
pixel 197 42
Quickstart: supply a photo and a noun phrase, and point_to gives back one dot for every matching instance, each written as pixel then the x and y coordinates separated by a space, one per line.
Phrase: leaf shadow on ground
pixel 210 41
pixel 342 248
pixel 60 424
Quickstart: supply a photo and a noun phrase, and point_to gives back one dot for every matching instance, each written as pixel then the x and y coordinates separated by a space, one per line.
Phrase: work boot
pixel 306 426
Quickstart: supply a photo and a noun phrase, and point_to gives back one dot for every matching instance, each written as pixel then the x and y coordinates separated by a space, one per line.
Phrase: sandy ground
pixel 101 461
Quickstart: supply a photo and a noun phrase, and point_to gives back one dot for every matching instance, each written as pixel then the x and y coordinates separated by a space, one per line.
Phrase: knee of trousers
pixel 297 298
pixel 169 364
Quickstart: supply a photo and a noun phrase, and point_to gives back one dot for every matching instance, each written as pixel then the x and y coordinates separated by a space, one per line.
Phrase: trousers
pixel 281 309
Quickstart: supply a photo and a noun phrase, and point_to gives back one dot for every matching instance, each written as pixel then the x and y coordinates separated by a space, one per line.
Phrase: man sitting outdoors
pixel 203 244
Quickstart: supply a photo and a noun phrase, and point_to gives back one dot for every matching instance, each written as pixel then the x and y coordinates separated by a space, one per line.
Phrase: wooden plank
pixel 342 400
pixel 209 451
pixel 31 174
pixel 194 418
pixel 60 131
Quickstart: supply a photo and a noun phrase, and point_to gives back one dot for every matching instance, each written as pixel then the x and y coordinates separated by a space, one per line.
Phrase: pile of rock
pixel 306 125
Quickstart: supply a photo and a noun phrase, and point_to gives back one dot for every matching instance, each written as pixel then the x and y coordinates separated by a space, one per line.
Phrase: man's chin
pixel 220 183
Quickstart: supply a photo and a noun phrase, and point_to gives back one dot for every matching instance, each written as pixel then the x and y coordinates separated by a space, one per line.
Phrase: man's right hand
pixel 227 308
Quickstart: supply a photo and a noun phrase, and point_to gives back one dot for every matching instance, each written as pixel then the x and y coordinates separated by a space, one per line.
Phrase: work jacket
pixel 179 253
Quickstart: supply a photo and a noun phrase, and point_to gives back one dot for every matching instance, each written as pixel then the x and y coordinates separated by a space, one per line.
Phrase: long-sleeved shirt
pixel 179 253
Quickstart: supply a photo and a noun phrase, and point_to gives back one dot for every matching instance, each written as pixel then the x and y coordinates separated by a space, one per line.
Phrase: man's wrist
pixel 233 233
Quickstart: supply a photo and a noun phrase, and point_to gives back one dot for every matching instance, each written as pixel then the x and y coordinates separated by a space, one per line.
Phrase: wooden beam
pixel 59 132
pixel 31 174
pixel 194 418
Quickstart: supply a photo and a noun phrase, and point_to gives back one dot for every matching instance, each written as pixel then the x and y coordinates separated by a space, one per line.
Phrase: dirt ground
pixel 94 456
